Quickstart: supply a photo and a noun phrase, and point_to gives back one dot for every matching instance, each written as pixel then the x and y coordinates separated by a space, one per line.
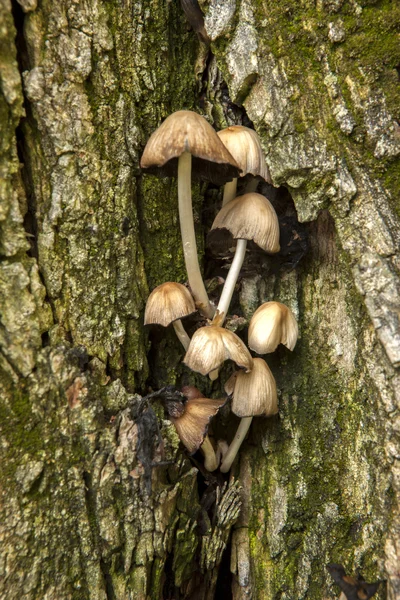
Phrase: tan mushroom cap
pixel 254 393
pixel 210 346
pixel 192 425
pixel 272 324
pixel 191 392
pixel 251 217
pixel 167 303
pixel 186 131
pixel 244 145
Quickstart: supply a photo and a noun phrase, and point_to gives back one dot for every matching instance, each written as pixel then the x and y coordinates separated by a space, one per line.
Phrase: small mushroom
pixel 169 303
pixel 272 324
pixel 210 346
pixel 254 394
pixel 170 149
pixel 192 421
pixel 245 146
pixel 247 217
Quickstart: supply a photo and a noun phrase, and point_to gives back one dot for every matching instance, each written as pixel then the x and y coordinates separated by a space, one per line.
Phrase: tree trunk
pixel 85 512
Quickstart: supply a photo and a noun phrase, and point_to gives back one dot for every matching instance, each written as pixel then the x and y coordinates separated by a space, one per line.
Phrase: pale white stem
pixel 213 375
pixel 236 443
pixel 181 333
pixel 222 449
pixel 210 460
pixel 229 287
pixel 252 185
pixel 188 235
pixel 229 191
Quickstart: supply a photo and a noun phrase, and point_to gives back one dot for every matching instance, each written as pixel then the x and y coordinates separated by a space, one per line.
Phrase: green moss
pixel 322 406
pixel 157 579
pixel 391 181
pixel 261 570
pixel 373 37
pixel 18 427
pixel 160 236
pixel 328 428
pixel 185 547
pixel 296 34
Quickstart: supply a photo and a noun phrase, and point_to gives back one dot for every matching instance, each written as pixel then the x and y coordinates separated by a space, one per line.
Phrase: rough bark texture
pixel 83 236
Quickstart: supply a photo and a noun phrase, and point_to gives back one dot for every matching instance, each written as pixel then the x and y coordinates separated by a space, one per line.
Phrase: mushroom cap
pixel 254 393
pixel 250 217
pixel 245 146
pixel 192 425
pixel 210 346
pixel 272 324
pixel 186 131
pixel 191 392
pixel 167 303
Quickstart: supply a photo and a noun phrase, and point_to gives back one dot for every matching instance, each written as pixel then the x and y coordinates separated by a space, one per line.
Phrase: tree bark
pixel 85 512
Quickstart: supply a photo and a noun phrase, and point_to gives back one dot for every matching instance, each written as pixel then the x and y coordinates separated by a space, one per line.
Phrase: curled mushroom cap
pixel 186 131
pixel 272 324
pixel 250 217
pixel 192 424
pixel 167 303
pixel 210 346
pixel 244 145
pixel 253 393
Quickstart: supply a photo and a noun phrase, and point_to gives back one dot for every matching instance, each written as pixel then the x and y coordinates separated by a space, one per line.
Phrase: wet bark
pixel 85 512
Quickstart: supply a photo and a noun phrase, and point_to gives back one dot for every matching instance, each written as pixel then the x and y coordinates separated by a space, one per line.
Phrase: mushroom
pixel 210 346
pixel 169 303
pixel 272 324
pixel 170 149
pixel 191 421
pixel 245 146
pixel 254 394
pixel 247 217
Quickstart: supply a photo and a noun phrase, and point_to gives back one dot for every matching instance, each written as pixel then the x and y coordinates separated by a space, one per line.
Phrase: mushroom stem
pixel 229 191
pixel 213 375
pixel 188 235
pixel 210 460
pixel 181 333
pixel 222 449
pixel 235 444
pixel 252 185
pixel 226 296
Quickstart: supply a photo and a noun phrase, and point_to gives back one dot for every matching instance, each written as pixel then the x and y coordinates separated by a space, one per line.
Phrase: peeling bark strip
pixel 83 237
pixel 195 17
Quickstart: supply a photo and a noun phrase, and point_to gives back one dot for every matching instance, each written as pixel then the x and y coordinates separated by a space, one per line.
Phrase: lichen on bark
pixel 84 236
pixel 318 90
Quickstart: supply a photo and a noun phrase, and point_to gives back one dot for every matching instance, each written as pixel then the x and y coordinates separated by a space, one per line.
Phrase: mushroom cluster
pixel 186 142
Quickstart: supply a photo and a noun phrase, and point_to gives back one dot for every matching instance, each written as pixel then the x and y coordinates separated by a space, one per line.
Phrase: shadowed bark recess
pixel 98 500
